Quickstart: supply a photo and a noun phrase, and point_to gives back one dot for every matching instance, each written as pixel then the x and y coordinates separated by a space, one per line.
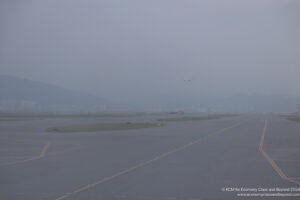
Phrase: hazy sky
pixel 121 48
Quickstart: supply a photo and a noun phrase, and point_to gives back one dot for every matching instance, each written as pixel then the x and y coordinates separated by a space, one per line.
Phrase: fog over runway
pixel 148 53
pixel 87 87
pixel 178 161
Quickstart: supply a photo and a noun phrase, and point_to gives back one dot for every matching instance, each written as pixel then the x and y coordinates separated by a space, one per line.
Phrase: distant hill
pixel 18 94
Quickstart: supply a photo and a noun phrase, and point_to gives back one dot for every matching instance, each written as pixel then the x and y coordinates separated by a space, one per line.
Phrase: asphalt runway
pixel 224 158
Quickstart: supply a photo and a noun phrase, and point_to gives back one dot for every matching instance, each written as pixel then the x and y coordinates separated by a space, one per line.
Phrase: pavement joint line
pixel 142 164
pixel 121 196
pixel 270 160
pixel 42 154
pixel 282 160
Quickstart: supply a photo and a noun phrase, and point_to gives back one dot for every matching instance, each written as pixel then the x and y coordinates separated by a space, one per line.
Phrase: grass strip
pixel 103 127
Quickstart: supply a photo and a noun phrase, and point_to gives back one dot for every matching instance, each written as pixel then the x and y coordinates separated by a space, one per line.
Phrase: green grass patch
pixel 103 127
pixel 195 118
pixel 23 116
pixel 294 118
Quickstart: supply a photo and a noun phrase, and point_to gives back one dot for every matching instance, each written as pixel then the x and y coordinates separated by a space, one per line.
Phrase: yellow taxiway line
pixel 42 154
pixel 270 160
pixel 142 164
